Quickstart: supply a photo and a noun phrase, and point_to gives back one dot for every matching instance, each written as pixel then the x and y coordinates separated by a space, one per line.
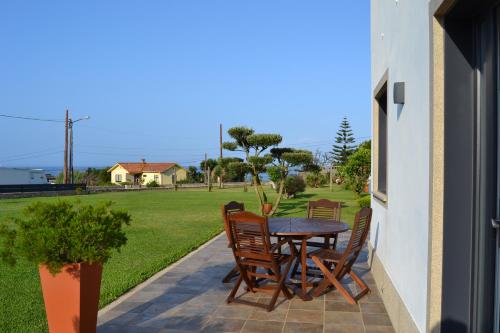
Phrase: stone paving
pixel 190 297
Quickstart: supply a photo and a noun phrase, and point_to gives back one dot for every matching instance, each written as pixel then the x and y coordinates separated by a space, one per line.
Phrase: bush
pixel 152 183
pixel 364 201
pixel 55 234
pixel 294 185
pixel 357 170
pixel 316 179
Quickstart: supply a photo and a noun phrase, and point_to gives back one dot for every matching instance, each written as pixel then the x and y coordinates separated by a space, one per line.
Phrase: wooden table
pixel 303 229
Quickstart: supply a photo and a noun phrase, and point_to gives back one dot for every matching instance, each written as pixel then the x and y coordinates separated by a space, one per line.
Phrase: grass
pixel 165 227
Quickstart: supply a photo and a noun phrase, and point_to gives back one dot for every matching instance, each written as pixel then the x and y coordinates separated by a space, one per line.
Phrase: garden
pixel 164 227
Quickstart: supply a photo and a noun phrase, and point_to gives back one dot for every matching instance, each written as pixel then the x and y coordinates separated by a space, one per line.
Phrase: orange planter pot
pixel 72 297
pixel 266 208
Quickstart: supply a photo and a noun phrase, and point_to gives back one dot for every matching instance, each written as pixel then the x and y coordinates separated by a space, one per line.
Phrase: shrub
pixel 316 179
pixel 152 183
pixel 357 170
pixel 55 234
pixel 294 185
pixel 364 201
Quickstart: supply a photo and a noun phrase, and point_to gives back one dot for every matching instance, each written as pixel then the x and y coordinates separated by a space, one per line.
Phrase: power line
pixel 34 156
pixel 31 118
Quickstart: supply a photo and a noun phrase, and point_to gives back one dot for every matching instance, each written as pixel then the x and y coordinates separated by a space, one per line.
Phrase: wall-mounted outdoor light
pixel 399 93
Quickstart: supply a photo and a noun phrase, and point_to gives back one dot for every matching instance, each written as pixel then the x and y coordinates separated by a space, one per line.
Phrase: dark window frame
pixel 380 142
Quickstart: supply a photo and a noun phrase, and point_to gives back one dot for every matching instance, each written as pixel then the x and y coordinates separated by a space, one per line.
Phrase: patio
pixel 190 297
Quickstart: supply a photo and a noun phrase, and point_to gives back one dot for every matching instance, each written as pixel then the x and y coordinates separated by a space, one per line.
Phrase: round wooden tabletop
pixel 298 226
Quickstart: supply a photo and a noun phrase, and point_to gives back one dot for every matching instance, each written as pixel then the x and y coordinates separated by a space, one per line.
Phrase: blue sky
pixel 157 77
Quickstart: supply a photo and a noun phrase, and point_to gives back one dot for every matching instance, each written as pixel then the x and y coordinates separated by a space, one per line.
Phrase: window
pixel 156 178
pixel 118 178
pixel 380 142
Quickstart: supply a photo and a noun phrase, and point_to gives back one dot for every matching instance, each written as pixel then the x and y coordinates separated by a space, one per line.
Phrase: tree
pixel 253 146
pixel 357 169
pixel 365 144
pixel 210 165
pixel 344 143
pixel 279 159
pixel 232 170
pixel 193 175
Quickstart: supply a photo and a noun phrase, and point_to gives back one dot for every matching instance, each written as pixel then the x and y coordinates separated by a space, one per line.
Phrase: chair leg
pixel 336 283
pixel 321 288
pixel 232 274
pixel 364 288
pixel 230 298
pixel 280 286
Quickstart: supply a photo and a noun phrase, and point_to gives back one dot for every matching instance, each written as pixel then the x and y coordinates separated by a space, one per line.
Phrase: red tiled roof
pixel 146 167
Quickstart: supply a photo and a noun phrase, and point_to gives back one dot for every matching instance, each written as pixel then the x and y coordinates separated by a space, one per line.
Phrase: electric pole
pixel 205 171
pixel 220 147
pixel 220 140
pixel 65 170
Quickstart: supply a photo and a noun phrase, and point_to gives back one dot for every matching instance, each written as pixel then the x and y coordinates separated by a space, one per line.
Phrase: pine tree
pixel 344 143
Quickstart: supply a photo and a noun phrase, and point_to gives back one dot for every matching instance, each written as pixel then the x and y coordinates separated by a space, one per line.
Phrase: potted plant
pixel 267 208
pixel 69 242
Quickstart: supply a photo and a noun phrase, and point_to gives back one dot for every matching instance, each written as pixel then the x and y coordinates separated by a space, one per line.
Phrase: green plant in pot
pixel 69 242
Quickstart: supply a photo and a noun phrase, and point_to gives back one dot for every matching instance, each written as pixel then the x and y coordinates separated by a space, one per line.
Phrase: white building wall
pixel 14 176
pixel 400 44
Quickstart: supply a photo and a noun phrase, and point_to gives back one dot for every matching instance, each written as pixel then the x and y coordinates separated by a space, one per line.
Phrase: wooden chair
pixel 326 210
pixel 252 249
pixel 230 208
pixel 321 209
pixel 342 262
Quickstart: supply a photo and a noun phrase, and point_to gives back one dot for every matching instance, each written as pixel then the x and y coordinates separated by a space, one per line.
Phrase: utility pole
pixel 205 169
pixel 70 125
pixel 209 184
pixel 220 147
pixel 220 140
pixel 65 170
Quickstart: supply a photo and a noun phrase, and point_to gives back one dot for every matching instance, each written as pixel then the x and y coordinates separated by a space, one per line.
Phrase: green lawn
pixel 165 227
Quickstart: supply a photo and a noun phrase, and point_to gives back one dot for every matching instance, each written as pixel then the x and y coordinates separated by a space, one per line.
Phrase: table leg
pixel 302 290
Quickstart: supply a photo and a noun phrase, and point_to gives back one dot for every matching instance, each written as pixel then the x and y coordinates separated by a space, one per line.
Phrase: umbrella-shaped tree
pixel 256 162
pixel 253 146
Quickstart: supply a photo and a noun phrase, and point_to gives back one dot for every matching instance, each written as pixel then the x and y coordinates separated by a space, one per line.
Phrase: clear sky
pixel 157 77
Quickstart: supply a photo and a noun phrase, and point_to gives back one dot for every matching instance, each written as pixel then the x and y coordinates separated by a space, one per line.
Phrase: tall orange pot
pixel 72 297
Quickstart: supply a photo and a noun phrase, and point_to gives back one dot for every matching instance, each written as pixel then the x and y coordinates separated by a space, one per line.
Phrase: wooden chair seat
pixel 329 255
pixel 279 258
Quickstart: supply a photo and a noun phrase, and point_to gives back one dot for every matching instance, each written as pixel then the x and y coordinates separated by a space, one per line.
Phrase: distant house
pixel 143 172
pixel 21 176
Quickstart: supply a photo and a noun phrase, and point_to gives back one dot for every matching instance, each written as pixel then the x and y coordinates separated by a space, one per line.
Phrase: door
pixel 471 253
pixel 496 219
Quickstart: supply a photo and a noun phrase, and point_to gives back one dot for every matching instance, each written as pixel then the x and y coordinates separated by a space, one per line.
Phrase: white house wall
pixel 400 44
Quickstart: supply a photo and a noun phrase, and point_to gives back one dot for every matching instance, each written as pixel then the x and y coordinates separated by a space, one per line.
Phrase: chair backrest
pixel 230 208
pixel 358 237
pixel 324 209
pixel 250 236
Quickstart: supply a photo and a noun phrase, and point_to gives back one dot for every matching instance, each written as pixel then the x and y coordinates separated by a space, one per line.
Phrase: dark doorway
pixel 470 179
